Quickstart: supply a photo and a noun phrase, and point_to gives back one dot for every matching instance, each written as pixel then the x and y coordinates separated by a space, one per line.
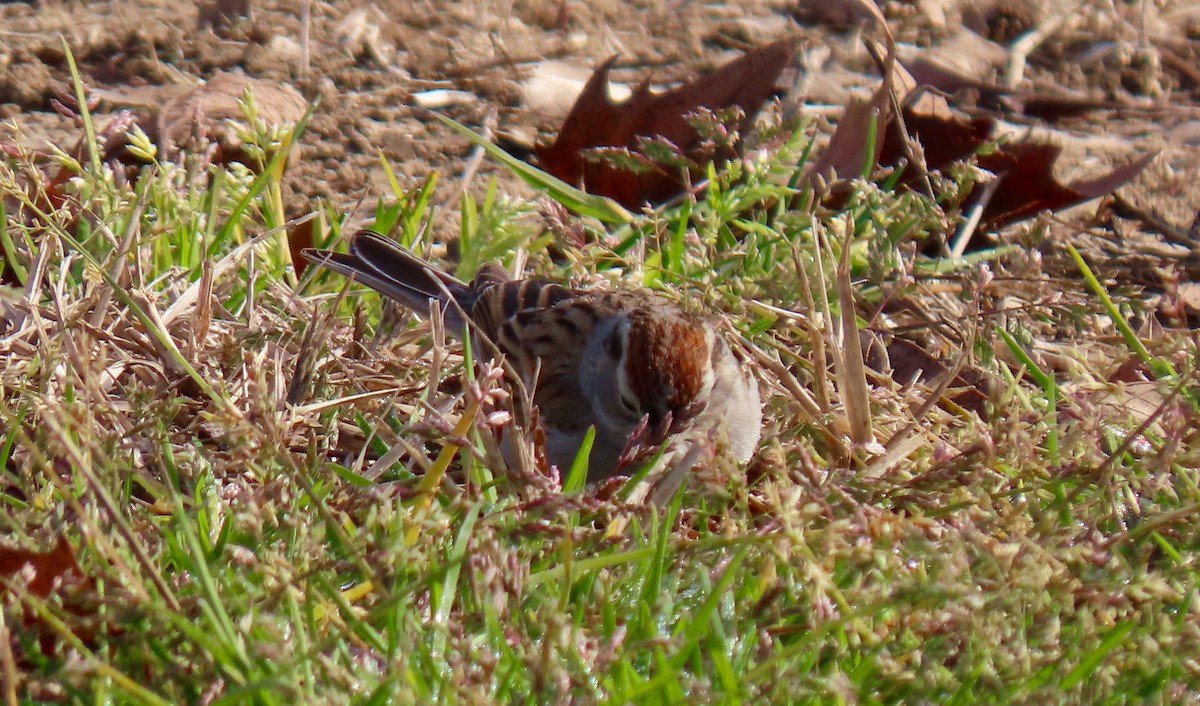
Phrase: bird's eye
pixel 628 402
pixel 616 344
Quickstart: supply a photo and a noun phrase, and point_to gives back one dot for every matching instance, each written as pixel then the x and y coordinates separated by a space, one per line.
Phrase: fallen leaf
pixel 45 178
pixel 1028 185
pixel 553 87
pixel 1152 220
pixel 44 568
pixel 212 112
pixel 939 136
pixel 838 13
pixel 300 238
pixel 1132 369
pixel 1179 303
pixel 962 52
pixel 910 362
pixel 219 15
pixel 595 121
pixel 944 139
pixel 53 576
pixel 1129 401
pixel 1048 105
pixel 846 156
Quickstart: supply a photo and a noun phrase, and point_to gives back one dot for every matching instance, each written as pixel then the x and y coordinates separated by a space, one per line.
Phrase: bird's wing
pixel 499 299
pixel 543 330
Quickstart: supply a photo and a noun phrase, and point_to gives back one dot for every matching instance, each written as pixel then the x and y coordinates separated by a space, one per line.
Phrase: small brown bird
pixel 608 359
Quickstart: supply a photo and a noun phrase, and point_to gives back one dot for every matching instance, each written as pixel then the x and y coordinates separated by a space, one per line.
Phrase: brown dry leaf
pixel 1046 104
pixel 553 86
pixel 909 361
pixel 54 576
pixel 945 139
pixel 300 238
pixel 219 15
pixel 57 566
pixel 44 179
pixel 110 138
pixel 962 52
pixel 1025 169
pixel 839 13
pixel 1132 369
pixel 595 121
pixel 209 111
pixel 1137 403
pixel 845 157
pixel 1133 393
pixel 1029 187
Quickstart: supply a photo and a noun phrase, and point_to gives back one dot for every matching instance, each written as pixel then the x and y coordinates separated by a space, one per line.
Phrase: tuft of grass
pixel 354 537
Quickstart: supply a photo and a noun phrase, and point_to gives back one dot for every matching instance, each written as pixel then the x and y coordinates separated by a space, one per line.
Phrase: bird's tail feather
pixel 388 268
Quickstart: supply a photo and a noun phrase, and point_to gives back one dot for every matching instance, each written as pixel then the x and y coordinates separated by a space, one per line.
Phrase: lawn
pixel 273 489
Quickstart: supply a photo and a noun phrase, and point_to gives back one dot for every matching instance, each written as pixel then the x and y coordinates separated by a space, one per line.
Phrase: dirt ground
pixel 364 63
pixel 369 64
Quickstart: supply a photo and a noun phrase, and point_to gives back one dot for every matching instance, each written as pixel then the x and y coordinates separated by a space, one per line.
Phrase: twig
pixel 980 199
pixel 1019 51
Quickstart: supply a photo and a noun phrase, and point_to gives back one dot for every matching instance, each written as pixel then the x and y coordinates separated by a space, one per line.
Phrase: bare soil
pixel 366 62
pixel 362 68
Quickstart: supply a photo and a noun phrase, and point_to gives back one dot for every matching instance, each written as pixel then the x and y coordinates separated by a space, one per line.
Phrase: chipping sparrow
pixel 608 359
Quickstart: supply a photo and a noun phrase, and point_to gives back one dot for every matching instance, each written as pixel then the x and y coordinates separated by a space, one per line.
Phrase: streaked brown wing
pixel 545 327
pixel 551 342
pixel 498 300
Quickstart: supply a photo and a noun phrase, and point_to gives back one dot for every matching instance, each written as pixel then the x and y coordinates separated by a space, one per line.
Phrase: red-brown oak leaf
pixel 595 121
